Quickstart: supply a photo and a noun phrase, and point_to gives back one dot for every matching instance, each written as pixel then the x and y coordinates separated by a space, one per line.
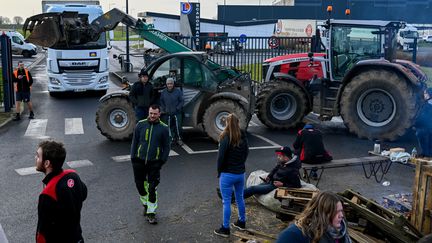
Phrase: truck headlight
pixel 104 79
pixel 54 81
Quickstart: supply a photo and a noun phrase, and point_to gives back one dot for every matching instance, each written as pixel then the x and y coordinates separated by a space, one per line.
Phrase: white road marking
pixel 266 139
pixel 253 124
pixel 79 163
pixel 73 126
pixel 39 77
pixel 27 171
pixel 3 238
pixel 190 151
pixel 36 128
pixel 125 158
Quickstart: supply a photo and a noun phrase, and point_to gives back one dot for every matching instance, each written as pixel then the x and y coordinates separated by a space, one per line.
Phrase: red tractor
pixel 357 78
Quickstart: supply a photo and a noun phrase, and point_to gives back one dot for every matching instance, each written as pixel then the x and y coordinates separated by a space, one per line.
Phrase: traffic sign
pixel 242 38
pixel 273 42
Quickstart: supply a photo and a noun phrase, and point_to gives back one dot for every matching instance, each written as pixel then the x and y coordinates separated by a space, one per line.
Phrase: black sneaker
pixel 239 225
pixel 31 116
pixel 224 232
pixel 145 210
pixel 17 117
pixel 151 218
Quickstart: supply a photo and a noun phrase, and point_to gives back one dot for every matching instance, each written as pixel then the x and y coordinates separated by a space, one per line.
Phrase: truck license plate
pixel 79 90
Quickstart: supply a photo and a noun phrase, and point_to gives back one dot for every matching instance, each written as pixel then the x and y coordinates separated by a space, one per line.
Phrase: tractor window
pixel 193 75
pixel 353 44
pixel 169 68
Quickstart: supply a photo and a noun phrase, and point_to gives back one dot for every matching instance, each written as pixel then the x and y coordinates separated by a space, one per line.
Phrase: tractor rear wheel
pixel 215 117
pixel 281 104
pixel 115 118
pixel 378 104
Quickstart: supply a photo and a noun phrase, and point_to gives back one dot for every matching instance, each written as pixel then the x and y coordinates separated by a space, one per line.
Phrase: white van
pixel 19 46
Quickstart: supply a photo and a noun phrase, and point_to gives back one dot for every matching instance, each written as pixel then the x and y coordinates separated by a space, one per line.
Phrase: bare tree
pixel 18 20
pixel 4 20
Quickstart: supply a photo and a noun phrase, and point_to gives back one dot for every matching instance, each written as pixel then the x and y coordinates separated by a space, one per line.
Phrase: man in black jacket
pixel 23 82
pixel 60 203
pixel 142 95
pixel 149 151
pixel 285 174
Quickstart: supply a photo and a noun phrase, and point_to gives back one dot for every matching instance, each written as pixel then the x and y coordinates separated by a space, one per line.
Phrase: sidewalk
pixel 6 117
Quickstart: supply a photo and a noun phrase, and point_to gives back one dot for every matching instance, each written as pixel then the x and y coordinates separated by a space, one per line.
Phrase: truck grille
pixel 78 79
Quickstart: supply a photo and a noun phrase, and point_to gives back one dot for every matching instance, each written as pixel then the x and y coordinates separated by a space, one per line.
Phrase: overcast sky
pixel 27 8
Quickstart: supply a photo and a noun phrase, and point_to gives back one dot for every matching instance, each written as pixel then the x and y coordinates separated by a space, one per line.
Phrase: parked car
pixel 19 46
pixel 224 48
pixel 428 38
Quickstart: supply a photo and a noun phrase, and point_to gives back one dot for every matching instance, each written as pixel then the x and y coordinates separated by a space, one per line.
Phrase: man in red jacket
pixel 60 202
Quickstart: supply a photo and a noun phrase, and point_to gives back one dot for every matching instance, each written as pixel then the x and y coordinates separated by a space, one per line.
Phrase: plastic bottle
pixel 377 147
pixel 414 152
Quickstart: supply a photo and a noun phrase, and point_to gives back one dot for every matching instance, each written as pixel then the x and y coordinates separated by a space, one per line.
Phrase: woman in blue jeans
pixel 233 151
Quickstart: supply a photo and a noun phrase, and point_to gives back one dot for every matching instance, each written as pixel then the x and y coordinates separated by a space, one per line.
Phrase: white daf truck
pixel 405 37
pixel 77 68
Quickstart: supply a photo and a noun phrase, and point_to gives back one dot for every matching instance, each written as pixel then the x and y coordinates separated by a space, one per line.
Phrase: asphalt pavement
pixel 189 209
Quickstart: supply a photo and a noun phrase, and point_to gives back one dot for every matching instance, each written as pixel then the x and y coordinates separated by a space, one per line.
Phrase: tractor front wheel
pixel 216 114
pixel 115 118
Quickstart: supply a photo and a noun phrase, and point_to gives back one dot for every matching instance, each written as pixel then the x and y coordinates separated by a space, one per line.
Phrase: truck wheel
pixel 281 105
pixel 378 104
pixel 215 117
pixel 26 54
pixel 115 118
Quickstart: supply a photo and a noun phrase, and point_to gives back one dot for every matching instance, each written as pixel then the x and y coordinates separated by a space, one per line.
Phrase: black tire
pixel 115 118
pixel 26 54
pixel 215 114
pixel 379 104
pixel 281 104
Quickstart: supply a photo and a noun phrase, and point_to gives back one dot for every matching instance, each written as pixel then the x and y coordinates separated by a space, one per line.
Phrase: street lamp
pixel 224 17
pixel 127 41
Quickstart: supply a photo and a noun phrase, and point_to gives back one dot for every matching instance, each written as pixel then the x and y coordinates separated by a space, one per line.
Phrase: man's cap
pixel 284 151
pixel 143 73
pixel 308 126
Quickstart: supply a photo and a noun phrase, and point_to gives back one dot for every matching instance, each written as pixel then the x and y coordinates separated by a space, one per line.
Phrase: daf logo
pixel 78 63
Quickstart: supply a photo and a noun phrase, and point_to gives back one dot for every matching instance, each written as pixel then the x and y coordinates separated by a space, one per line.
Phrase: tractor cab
pixel 353 41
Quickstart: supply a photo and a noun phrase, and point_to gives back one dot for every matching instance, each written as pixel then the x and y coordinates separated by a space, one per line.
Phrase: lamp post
pixel 127 41
pixel 224 17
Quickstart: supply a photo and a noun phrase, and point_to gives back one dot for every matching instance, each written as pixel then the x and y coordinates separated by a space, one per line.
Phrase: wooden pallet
pixel 392 224
pixel 294 200
pixel 422 199
pixel 250 234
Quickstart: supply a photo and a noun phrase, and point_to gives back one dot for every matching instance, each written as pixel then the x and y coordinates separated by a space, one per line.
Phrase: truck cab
pixel 78 67
pixel 19 46
pixel 406 36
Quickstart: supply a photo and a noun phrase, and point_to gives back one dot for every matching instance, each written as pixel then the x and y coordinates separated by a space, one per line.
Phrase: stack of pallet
pixel 294 200
pixel 422 199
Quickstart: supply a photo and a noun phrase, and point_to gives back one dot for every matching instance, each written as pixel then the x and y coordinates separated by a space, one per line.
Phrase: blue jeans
pixel 424 137
pixel 260 189
pixel 226 183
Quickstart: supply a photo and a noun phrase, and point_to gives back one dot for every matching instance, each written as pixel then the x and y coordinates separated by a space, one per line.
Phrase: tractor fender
pixel 377 64
pixel 118 93
pixel 232 96
pixel 289 78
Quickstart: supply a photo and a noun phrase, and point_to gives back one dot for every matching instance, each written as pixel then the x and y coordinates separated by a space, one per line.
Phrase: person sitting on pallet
pixel 285 174
pixel 309 146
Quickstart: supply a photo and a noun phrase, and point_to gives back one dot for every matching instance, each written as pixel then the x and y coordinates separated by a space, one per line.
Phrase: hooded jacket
pixel 142 95
pixel 287 172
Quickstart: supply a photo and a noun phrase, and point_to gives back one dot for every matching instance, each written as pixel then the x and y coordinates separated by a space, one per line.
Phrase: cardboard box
pixel 397 150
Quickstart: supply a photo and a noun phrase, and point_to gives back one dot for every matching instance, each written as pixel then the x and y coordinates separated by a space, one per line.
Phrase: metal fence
pixel 247 54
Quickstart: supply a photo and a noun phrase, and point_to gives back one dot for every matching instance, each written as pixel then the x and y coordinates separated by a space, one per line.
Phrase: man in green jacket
pixel 149 151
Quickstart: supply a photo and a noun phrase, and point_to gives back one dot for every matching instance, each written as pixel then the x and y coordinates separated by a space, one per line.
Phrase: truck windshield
pixel 409 34
pixel 99 44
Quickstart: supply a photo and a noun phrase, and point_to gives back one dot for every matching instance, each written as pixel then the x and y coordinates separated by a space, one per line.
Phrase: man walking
pixel 23 82
pixel 171 101
pixel 142 95
pixel 149 151
pixel 60 202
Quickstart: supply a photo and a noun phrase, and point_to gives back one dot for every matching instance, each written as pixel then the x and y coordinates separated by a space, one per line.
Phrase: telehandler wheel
pixel 379 104
pixel 281 104
pixel 115 118
pixel 215 117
